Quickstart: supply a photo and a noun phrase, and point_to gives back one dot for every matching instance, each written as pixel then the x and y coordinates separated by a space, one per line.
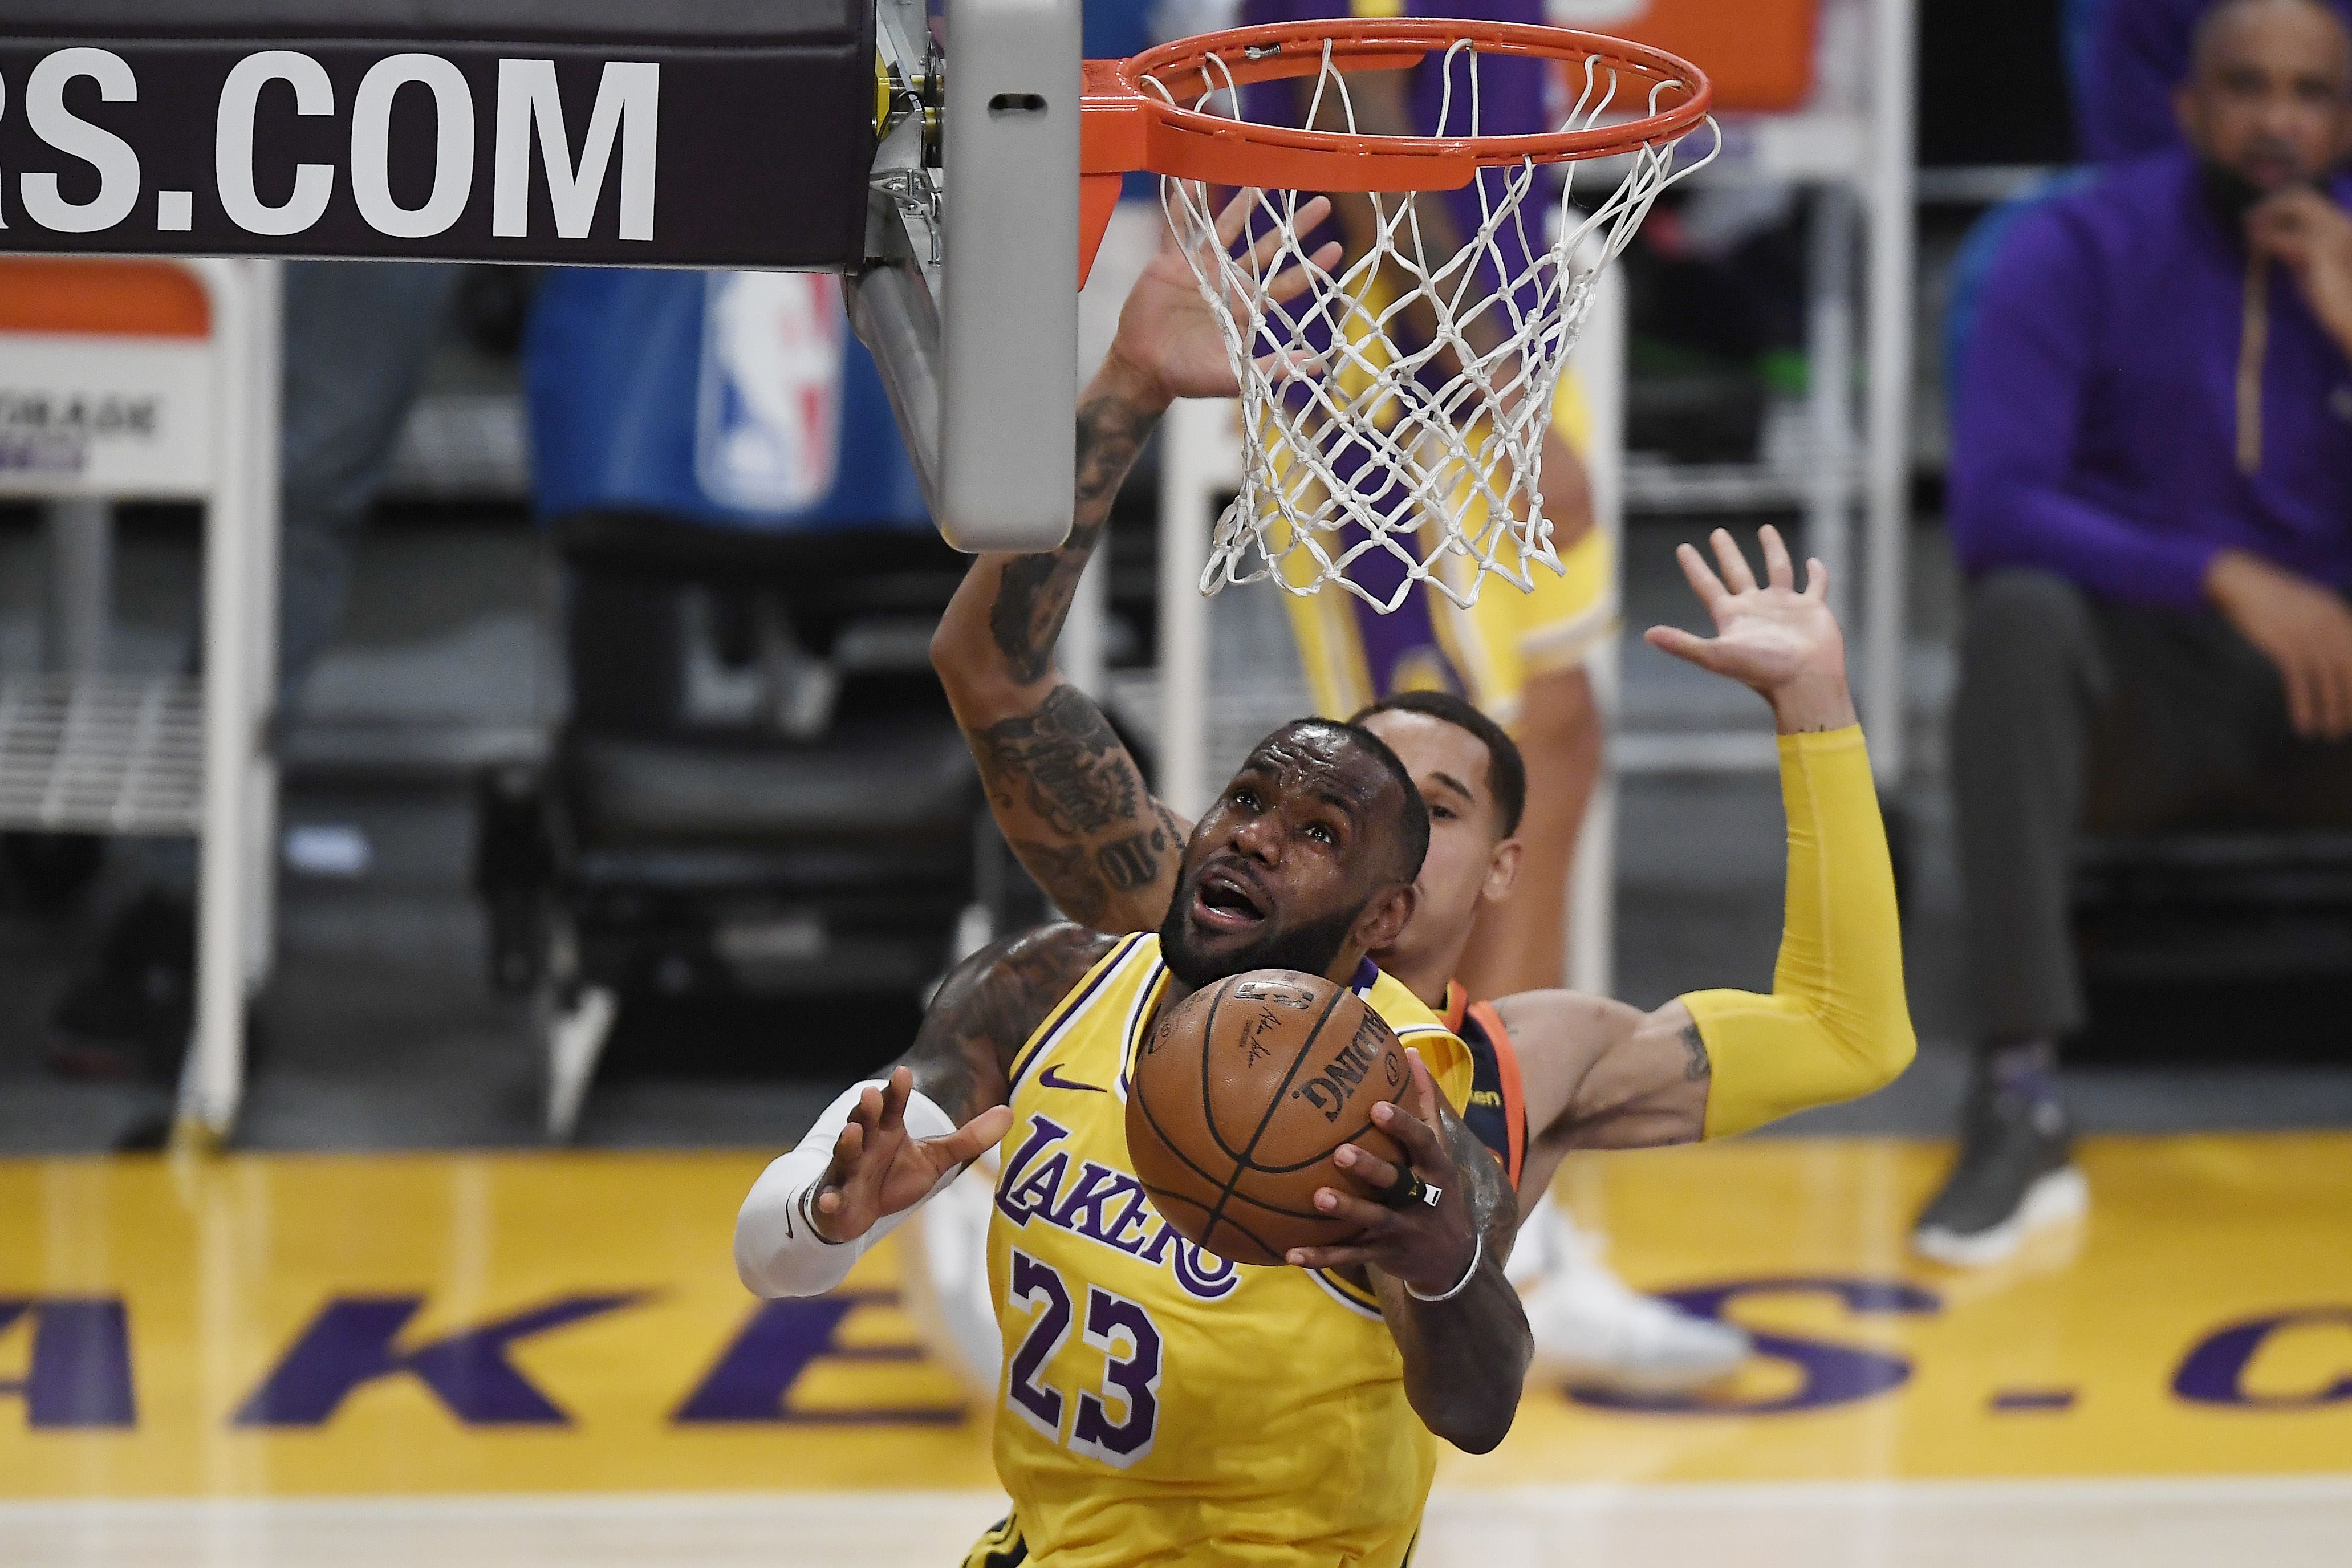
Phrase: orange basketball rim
pixel 1144 112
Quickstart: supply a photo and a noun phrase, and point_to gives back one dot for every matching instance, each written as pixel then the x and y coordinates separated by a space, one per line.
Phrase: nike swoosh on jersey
pixel 1049 1078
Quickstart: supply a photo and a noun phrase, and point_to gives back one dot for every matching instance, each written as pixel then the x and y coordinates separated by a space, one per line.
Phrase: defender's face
pixel 2270 97
pixel 1281 866
pixel 1450 767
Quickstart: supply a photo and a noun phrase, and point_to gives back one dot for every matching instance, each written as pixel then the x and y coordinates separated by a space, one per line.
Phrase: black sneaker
pixel 2015 1174
pixel 131 1014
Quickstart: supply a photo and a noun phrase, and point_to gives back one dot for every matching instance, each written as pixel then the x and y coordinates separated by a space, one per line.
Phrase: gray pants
pixel 2079 713
pixel 358 335
pixel 357 338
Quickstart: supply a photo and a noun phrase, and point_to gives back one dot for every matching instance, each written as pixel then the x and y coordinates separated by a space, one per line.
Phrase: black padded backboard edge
pixel 757 154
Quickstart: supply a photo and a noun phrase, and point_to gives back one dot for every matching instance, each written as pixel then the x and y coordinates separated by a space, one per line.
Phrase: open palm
pixel 1167 331
pixel 880 1168
pixel 1770 636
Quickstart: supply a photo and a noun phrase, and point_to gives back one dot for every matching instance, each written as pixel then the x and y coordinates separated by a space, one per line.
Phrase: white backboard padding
pixel 1008 318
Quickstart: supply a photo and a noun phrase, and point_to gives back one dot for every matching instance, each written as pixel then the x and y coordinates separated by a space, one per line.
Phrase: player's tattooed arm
pixel 1000 627
pixel 1063 768
pixel 1058 778
pixel 1067 793
pixel 1604 1075
pixel 986 1009
pixel 1437 1266
pixel 1466 1359
pixel 879 1166
pixel 1003 625
pixel 1696 1064
pixel 1091 887
pixel 1073 804
pixel 1030 600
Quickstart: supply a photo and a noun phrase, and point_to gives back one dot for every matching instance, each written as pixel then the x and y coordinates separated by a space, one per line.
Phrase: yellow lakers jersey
pixel 1160 1403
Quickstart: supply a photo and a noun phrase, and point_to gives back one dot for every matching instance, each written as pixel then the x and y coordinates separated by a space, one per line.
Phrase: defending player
pixel 1162 1405
pixel 1519 657
pixel 1593 1072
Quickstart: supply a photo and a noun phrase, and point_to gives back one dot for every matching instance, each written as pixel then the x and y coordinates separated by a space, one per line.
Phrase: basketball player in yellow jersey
pixel 1595 1073
pixel 1161 1405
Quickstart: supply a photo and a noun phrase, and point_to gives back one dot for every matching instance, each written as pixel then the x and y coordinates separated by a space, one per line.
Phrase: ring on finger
pixel 1409 1189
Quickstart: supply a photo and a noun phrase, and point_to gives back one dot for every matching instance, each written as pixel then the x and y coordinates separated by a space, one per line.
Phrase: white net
pixel 1394 410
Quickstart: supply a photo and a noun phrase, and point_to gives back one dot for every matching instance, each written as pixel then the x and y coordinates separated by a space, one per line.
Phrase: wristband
pixel 1478 1255
pixel 777 1250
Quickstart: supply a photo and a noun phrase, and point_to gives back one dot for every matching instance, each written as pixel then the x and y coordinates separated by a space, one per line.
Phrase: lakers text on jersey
pixel 1160 1403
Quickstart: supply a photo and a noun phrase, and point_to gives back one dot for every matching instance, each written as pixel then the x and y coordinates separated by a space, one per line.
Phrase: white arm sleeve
pixel 777 1252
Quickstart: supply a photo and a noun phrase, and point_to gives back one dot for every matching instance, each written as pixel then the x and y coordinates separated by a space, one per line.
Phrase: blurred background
pixel 619 821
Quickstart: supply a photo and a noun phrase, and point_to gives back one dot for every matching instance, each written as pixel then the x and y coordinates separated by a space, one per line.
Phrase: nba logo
pixel 768 424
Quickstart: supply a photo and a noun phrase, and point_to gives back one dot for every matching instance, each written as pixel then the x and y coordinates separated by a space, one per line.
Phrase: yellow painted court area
pixel 560 1323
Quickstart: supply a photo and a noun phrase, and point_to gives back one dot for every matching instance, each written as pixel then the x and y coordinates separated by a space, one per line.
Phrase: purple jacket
pixel 2095 430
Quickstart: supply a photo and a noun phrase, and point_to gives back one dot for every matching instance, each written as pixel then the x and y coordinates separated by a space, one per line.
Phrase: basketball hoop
pixel 1393 413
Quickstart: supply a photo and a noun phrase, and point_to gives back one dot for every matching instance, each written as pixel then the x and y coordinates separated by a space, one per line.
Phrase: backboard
pixel 970 302
pixel 724 133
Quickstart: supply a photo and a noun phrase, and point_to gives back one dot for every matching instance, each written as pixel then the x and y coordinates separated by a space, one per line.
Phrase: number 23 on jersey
pixel 1113 1422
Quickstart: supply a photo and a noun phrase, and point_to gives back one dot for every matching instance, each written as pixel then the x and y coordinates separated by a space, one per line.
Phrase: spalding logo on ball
pixel 1240 1098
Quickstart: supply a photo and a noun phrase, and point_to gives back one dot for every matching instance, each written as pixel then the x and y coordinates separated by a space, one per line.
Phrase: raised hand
pixel 1428 1245
pixel 1170 339
pixel 877 1169
pixel 1781 643
pixel 2311 237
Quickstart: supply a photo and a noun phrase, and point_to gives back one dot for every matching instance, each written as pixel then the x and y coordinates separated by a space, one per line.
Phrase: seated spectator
pixel 2151 490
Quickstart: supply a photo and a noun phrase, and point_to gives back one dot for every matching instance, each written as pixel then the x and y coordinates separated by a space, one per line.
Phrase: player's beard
pixel 1309 947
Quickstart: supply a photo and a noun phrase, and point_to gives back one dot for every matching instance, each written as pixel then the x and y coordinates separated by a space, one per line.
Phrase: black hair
pixel 1412 846
pixel 1506 770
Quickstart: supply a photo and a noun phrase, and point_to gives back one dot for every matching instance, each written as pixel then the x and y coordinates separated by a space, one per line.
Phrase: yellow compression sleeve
pixel 1836 1025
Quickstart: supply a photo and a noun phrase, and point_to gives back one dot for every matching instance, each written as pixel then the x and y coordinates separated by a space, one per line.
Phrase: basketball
pixel 1241 1097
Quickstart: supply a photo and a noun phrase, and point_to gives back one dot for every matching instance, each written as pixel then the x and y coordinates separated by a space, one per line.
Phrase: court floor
pixel 541 1359
pixel 2033 1524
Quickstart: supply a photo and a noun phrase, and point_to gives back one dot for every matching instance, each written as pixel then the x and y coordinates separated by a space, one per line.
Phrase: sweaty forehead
pixel 1320 760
